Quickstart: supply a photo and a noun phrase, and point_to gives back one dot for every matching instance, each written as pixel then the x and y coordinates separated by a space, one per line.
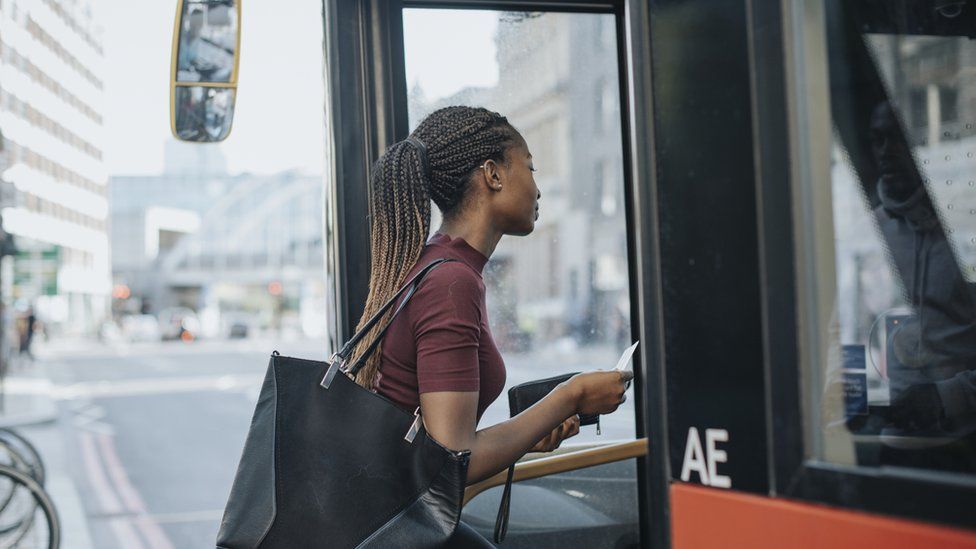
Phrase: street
pixel 150 434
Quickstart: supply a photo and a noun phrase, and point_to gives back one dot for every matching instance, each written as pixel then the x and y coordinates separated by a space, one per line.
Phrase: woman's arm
pixel 451 416
pixel 447 329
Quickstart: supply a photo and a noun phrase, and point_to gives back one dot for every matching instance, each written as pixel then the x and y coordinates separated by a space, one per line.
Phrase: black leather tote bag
pixel 328 463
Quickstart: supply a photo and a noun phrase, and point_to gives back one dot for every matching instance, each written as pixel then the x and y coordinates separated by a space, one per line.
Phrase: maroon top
pixel 444 329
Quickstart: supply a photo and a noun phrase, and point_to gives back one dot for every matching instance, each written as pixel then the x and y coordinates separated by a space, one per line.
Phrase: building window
pixel 948 108
pixel 918 107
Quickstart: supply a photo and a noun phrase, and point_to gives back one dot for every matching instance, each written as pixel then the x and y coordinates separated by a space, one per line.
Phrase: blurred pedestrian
pixel 26 326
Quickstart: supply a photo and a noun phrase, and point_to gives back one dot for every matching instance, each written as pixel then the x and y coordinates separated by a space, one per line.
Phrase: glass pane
pixel 208 40
pixel 558 299
pixel 898 381
pixel 204 114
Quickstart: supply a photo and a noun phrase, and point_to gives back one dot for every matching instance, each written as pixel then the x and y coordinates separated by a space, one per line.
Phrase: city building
pixel 51 153
pixel 233 248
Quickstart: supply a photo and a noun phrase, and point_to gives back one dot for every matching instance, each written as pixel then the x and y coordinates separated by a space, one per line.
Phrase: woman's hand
pixel 600 392
pixel 566 429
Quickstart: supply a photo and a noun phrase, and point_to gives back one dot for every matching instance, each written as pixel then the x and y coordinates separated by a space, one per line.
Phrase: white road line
pixel 157 385
pixel 87 417
pixel 27 385
pixel 209 515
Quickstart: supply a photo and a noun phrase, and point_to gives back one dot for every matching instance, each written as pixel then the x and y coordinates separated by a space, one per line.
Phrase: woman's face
pixel 518 198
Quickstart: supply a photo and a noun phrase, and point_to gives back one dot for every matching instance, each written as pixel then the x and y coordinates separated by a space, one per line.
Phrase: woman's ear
pixel 491 175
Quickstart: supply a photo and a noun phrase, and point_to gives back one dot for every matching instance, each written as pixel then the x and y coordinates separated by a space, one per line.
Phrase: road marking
pixel 210 515
pixel 206 515
pixel 125 533
pixel 123 530
pixel 98 456
pixel 27 385
pixel 147 526
pixel 87 416
pixel 157 386
pixel 90 412
pixel 94 427
pixel 107 500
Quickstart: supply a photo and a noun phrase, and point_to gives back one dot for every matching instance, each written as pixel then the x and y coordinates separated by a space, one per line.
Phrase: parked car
pixel 179 323
pixel 238 324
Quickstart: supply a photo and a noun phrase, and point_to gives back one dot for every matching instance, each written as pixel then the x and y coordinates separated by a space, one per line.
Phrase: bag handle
pixel 501 520
pixel 410 286
pixel 379 337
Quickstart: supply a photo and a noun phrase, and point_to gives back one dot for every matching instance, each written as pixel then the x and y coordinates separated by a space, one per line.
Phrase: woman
pixel 438 353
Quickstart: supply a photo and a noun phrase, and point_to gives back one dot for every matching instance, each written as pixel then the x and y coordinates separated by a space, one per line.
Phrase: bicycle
pixel 21 455
pixel 28 517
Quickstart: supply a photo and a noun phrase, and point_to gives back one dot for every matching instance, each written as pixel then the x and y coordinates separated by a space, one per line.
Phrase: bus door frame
pixel 754 66
pixel 366 109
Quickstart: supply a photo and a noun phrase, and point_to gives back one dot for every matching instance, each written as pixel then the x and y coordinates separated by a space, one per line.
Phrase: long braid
pixel 458 140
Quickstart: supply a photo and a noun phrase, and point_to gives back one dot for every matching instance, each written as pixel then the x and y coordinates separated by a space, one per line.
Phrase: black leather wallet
pixel 526 394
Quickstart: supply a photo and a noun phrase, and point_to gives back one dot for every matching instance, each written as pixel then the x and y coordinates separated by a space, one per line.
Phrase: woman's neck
pixel 478 238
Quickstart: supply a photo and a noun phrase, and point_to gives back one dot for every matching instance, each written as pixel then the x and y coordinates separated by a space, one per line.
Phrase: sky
pixel 279 120
pixel 471 55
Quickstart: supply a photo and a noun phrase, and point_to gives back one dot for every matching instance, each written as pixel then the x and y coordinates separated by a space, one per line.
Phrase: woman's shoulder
pixel 455 275
pixel 449 292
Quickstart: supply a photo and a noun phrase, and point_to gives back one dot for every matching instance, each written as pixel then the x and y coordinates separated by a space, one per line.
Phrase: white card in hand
pixel 625 363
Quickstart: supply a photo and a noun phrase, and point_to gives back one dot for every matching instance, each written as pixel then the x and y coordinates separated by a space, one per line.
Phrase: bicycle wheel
pixel 17 452
pixel 29 520
pixel 27 452
pixel 11 458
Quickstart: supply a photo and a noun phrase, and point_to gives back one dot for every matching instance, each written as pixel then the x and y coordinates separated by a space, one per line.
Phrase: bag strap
pixel 379 337
pixel 410 286
pixel 501 521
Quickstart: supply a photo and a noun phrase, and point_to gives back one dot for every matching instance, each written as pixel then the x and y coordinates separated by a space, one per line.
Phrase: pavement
pixel 28 405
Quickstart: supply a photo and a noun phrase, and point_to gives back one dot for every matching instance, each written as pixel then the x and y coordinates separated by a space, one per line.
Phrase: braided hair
pixel 403 183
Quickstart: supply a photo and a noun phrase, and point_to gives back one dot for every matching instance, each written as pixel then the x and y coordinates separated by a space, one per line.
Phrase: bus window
pixel 558 299
pixel 893 253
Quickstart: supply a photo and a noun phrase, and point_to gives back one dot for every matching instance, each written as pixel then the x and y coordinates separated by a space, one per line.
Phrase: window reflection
pixel 558 299
pixel 208 39
pixel 900 376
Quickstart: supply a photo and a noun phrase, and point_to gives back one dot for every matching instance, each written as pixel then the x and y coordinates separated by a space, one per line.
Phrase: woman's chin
pixel 524 231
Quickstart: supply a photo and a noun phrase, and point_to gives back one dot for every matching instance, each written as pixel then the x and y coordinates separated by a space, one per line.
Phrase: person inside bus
pixel 438 353
pixel 933 371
